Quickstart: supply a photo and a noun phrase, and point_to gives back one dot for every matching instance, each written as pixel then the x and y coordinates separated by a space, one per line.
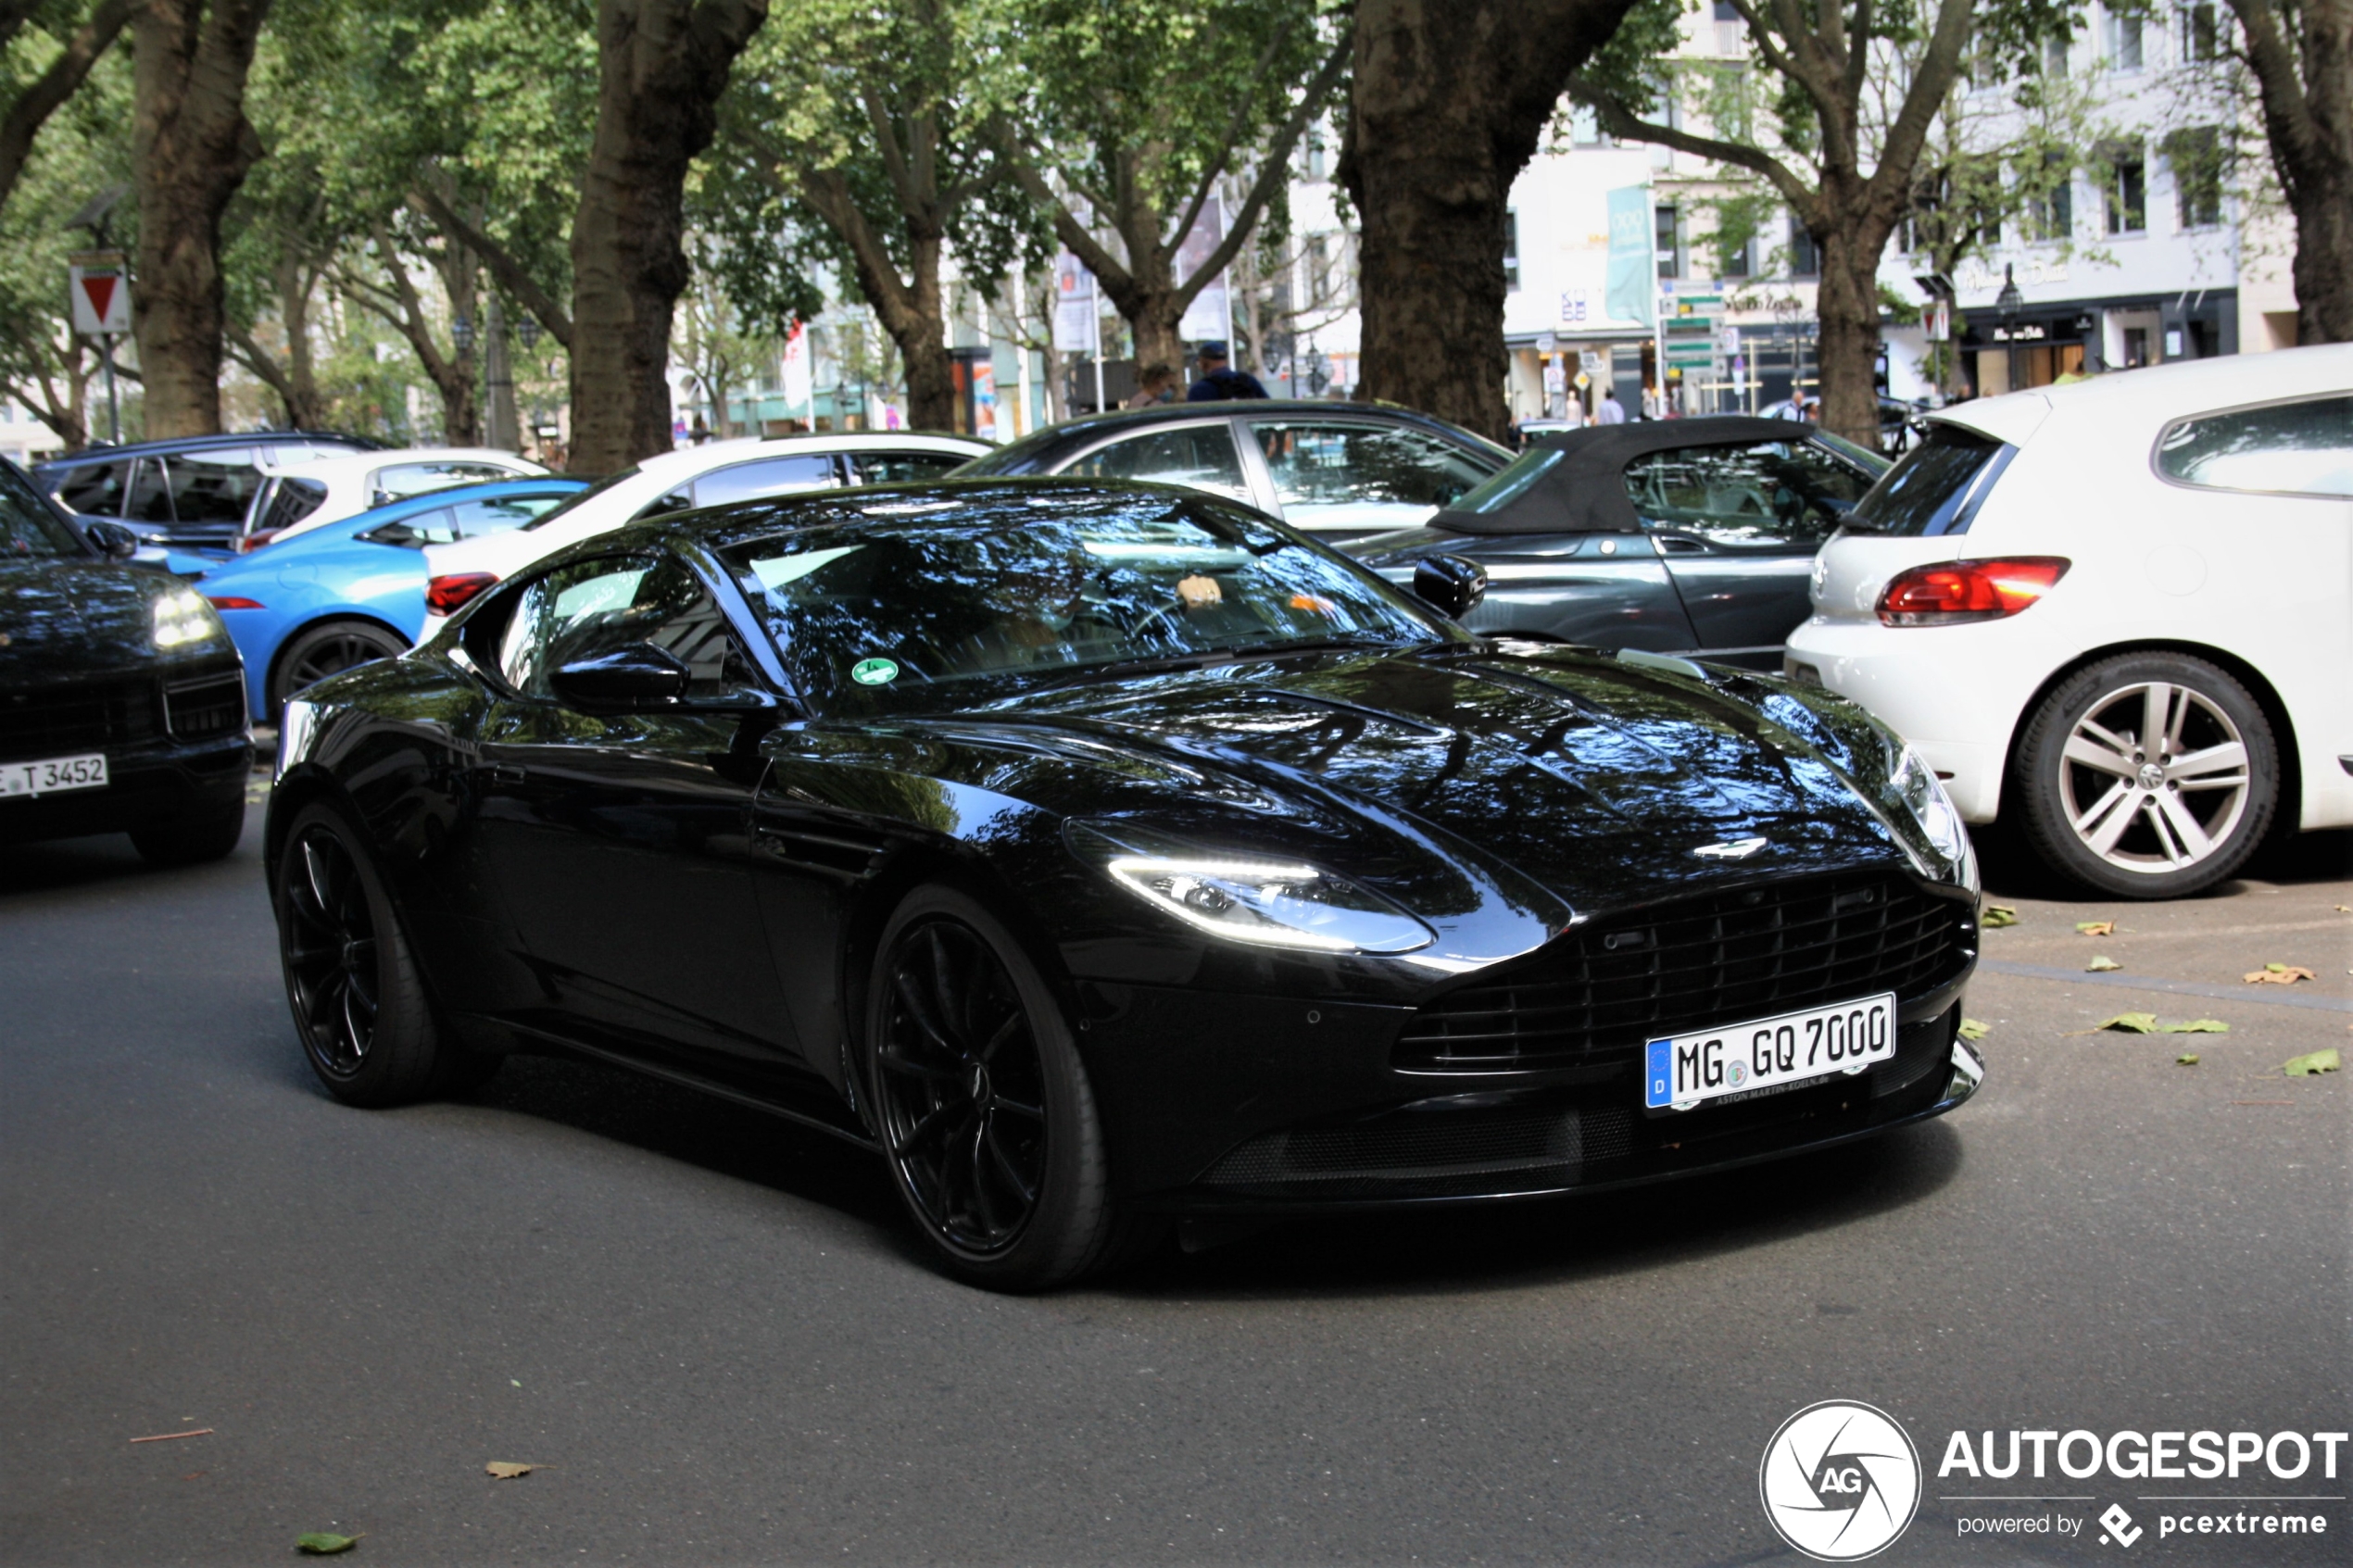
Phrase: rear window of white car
pixel 2300 448
pixel 1934 488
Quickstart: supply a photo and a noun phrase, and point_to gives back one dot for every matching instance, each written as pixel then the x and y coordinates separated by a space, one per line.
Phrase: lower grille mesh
pixel 1592 998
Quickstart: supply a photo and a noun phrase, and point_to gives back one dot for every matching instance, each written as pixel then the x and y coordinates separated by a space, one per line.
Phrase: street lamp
pixel 461 333
pixel 2005 304
pixel 528 330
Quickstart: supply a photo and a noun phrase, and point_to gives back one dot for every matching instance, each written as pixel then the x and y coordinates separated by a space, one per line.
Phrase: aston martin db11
pixel 1101 853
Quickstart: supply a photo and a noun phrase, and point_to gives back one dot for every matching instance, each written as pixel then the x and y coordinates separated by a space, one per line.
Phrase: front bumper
pixel 149 785
pixel 1228 1105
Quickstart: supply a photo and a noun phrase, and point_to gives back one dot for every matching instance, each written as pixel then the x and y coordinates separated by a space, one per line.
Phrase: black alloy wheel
pixel 980 1101
pixel 330 651
pixel 359 1002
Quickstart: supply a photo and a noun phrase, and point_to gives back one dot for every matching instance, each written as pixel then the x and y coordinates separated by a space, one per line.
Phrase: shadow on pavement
pixel 2014 871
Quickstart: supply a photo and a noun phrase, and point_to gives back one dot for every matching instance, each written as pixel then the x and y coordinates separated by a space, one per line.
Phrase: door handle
pixel 505 774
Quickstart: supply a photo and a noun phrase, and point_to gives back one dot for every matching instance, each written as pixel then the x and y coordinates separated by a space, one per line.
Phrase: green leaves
pixel 1997 916
pixel 2101 964
pixel 2313 1063
pixel 2146 1024
pixel 324 1543
pixel 1974 1028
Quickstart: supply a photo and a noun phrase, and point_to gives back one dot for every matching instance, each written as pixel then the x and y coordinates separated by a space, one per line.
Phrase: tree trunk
pixel 1447 105
pixel 1846 308
pixel 662 65
pixel 2301 57
pixel 191 148
pixel 296 282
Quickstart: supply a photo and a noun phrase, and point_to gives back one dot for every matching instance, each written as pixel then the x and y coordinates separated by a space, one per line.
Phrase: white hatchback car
pixel 296 497
pixel 2120 612
pixel 708 475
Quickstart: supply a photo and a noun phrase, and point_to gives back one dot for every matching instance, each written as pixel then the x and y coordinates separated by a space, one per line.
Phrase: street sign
pixel 100 287
pixel 1075 308
pixel 1733 341
pixel 1546 343
pixel 1938 319
pixel 1589 361
pixel 1690 353
pixel 1686 307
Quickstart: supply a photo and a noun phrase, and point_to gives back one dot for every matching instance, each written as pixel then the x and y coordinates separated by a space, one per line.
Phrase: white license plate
pixel 53 774
pixel 1769 1053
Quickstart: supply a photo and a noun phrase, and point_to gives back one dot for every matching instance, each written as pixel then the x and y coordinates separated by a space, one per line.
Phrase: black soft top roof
pixel 1584 491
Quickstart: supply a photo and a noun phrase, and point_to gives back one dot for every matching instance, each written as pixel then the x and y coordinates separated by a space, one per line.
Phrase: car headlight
pixel 182 619
pixel 1272 903
pixel 1923 796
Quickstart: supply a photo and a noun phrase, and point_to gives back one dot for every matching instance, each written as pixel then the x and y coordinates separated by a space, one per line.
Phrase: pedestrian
pixel 1218 380
pixel 1155 384
pixel 1611 412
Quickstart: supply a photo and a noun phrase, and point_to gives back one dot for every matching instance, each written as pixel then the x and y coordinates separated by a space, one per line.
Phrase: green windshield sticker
pixel 874 672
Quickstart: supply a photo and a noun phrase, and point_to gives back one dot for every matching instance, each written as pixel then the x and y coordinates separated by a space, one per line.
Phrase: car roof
pixel 100 453
pixel 688 461
pixel 2133 400
pixel 360 462
pixel 1088 426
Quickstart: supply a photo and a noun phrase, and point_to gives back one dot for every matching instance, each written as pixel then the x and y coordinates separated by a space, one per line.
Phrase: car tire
pixel 192 840
pixel 976 1092
pixel 328 648
pixel 358 1001
pixel 2133 823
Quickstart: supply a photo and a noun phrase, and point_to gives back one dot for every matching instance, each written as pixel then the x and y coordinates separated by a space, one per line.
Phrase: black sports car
pixel 1100 853
pixel 121 699
pixel 1687 536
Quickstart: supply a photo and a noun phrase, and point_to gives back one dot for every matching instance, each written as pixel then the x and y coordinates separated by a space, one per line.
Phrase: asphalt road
pixel 712 1332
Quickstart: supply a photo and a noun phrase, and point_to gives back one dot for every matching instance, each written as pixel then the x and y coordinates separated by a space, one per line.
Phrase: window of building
pixel 1667 237
pixel 1317 264
pixel 2054 57
pixel 2127 193
pixel 2124 43
pixel 2051 212
pixel 2201 33
pixel 1804 260
pixel 2195 156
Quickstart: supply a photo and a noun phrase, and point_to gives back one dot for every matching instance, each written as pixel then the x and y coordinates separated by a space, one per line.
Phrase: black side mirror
pixel 630 679
pixel 110 539
pixel 1450 585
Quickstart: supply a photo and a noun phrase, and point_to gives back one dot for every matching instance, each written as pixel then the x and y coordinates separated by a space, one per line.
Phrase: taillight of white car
pixel 451 592
pixel 1954 592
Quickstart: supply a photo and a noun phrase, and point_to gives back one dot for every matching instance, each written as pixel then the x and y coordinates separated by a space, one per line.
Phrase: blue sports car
pixel 353 591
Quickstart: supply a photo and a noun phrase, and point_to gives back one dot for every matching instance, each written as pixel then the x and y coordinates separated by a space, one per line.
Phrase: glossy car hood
pixel 1592 778
pixel 63 618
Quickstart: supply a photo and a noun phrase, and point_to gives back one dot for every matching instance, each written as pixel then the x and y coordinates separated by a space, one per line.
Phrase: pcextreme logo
pixel 1840 1480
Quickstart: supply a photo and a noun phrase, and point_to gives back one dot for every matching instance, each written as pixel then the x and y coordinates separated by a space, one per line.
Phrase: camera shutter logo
pixel 1840 1480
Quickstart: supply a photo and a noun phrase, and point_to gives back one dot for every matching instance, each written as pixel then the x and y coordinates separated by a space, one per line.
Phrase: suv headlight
pixel 183 619
pixel 1272 903
pixel 1923 797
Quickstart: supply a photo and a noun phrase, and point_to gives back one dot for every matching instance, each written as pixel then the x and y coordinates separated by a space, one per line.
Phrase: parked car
pixel 1339 472
pixel 1100 853
pixel 298 496
pixel 189 493
pixel 352 591
pixel 121 703
pixel 709 475
pixel 2119 612
pixel 1687 536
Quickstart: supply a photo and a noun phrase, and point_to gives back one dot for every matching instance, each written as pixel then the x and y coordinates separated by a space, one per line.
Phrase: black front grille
pixel 197 709
pixel 1592 996
pixel 51 721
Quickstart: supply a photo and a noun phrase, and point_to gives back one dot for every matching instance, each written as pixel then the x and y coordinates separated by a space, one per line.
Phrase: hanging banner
pixel 798 388
pixel 1210 314
pixel 1077 316
pixel 1633 284
pixel 100 287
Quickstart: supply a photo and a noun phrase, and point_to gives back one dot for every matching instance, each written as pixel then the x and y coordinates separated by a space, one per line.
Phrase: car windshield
pixel 28 528
pixel 924 599
pixel 1509 484
pixel 1928 490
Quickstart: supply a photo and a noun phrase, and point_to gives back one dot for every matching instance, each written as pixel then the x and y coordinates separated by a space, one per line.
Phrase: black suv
pixel 191 493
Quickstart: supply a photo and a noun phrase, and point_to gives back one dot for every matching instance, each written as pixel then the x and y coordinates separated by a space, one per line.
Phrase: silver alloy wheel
pixel 2154 777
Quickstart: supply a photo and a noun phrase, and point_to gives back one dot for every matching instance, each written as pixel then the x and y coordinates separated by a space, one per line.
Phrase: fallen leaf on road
pixel 2096 927
pixel 2124 1022
pixel 2328 1060
pixel 2278 974
pixel 1996 916
pixel 324 1544
pixel 2101 963
pixel 2187 1059
pixel 505 1470
pixel 2195 1026
pixel 1973 1028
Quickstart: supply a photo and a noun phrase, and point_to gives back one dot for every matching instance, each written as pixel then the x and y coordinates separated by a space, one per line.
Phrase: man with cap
pixel 1219 379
